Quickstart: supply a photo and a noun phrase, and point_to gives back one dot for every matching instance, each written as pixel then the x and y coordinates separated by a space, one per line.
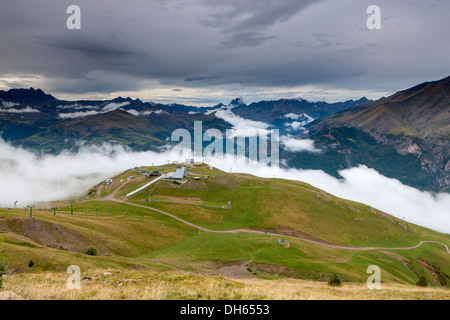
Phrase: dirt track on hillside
pixel 307 239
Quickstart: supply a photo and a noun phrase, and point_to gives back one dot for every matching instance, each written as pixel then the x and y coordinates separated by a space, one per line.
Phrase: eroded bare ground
pixel 49 234
pixel 237 271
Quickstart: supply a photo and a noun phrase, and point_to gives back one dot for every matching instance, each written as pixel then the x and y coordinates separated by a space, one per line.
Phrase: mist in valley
pixel 29 178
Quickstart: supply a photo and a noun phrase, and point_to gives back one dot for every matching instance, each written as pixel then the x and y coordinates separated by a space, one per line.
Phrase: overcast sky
pixel 203 52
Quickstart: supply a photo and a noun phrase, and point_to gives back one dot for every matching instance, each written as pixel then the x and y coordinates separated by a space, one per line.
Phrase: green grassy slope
pixel 129 236
pixel 283 206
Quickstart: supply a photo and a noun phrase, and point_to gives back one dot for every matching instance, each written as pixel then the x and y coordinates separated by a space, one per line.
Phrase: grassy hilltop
pixel 273 232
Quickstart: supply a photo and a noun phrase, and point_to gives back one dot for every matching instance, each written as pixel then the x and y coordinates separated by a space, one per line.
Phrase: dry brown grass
pixel 153 285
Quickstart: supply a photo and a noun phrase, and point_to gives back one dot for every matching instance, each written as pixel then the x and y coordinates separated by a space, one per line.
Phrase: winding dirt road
pixel 235 231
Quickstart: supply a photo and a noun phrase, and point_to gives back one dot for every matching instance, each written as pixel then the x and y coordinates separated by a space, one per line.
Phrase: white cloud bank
pixel 144 113
pixel 296 124
pixel 298 145
pixel 294 116
pixel 367 186
pixel 107 108
pixel 243 127
pixel 25 110
pixel 28 178
pixel 78 114
pixel 77 106
pixel 250 128
pixel 8 104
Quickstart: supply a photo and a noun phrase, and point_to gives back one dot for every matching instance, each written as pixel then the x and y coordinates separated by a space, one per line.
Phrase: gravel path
pixel 280 235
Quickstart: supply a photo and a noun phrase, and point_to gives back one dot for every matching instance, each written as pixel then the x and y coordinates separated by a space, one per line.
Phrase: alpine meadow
pixel 233 157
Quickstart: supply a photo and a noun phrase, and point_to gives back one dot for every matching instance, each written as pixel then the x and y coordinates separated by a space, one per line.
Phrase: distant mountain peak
pixel 26 96
pixel 444 81
pixel 220 105
pixel 237 102
pixel 413 121
pixel 119 99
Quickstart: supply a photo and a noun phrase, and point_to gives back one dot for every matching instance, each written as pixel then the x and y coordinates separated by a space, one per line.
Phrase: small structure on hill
pixel 179 174
pixel 155 173
pixel 108 181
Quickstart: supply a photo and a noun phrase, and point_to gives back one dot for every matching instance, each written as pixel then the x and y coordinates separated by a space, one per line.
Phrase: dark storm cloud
pixel 199 78
pixel 87 46
pixel 245 39
pixel 245 22
pixel 239 47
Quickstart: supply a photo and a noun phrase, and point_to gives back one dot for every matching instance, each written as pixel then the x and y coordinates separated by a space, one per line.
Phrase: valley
pixel 403 136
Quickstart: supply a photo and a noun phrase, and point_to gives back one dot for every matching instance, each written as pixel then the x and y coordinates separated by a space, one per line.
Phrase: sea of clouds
pixel 29 178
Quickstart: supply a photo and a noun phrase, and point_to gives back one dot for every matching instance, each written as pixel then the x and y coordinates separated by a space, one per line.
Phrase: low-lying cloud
pixel 77 106
pixel 144 113
pixel 366 185
pixel 7 104
pixel 29 178
pixel 294 116
pixel 79 114
pixel 24 110
pixel 297 145
pixel 243 127
pixel 113 106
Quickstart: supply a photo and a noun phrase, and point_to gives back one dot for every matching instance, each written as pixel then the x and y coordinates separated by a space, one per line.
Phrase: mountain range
pixel 404 136
pixel 412 125
pixel 39 121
